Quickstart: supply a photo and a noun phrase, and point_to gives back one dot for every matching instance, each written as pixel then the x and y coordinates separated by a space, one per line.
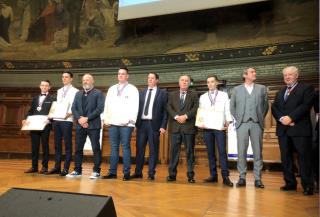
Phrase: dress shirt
pixel 249 88
pixel 153 95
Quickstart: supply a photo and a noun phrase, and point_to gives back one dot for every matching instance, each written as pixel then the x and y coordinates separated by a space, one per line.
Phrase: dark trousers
pixel 81 136
pixel 63 130
pixel 211 138
pixel 188 140
pixel 303 147
pixel 36 137
pixel 145 134
pixel 316 157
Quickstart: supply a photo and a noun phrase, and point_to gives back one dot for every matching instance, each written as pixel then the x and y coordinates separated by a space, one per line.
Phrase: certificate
pixel 59 110
pixel 35 122
pixel 209 118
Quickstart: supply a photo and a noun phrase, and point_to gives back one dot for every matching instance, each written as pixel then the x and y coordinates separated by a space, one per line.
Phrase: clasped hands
pixel 286 120
pixel 83 121
pixel 181 119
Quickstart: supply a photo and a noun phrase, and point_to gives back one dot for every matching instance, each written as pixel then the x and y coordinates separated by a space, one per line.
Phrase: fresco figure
pixel 6 17
pixel 73 9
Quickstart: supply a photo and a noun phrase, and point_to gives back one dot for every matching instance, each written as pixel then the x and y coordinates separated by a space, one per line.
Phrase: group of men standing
pixel 149 110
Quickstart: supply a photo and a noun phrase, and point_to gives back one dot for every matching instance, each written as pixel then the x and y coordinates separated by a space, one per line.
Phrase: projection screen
pixel 130 9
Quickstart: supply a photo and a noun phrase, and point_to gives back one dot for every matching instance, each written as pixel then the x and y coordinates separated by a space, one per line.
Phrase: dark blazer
pixel 94 107
pixel 297 107
pixel 316 107
pixel 159 112
pixel 190 107
pixel 45 108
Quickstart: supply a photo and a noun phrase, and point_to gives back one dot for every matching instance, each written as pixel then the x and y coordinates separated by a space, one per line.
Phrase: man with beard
pixel 87 107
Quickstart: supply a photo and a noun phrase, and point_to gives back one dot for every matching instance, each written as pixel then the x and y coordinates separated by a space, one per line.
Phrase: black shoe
pixel 126 177
pixel 308 191
pixel 191 180
pixel 43 170
pixel 64 172
pixel 258 184
pixel 54 171
pixel 110 176
pixel 227 181
pixel 241 183
pixel 211 179
pixel 171 178
pixel 136 176
pixel 288 188
pixel 151 177
pixel 31 170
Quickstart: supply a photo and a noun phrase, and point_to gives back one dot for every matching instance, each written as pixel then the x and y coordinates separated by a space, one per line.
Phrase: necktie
pixel 182 99
pixel 146 109
pixel 43 94
pixel 287 93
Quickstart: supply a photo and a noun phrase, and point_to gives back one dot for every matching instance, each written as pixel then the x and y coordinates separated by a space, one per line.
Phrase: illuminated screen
pixel 130 9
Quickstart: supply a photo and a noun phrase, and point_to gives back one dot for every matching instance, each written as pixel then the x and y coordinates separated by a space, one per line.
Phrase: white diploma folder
pixel 59 110
pixel 209 118
pixel 35 122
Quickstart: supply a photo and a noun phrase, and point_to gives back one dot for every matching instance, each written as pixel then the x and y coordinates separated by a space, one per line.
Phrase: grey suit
pixel 249 111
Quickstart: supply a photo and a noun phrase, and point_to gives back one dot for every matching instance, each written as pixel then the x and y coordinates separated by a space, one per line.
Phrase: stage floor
pixel 143 198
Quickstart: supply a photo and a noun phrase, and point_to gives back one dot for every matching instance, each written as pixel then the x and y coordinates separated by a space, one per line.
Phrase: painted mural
pixel 88 29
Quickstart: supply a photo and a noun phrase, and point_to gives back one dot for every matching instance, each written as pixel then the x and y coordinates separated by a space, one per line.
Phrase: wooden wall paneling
pixel 15 102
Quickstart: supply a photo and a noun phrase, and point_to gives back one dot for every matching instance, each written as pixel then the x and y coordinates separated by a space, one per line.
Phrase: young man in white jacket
pixel 215 106
pixel 120 114
pixel 63 126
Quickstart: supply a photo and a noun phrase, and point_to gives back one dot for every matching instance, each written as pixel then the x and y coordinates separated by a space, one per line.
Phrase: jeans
pixel 120 135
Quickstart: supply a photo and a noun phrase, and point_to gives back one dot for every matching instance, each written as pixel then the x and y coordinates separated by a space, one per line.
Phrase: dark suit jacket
pixel 46 105
pixel 316 107
pixel 297 107
pixel 159 112
pixel 190 107
pixel 94 108
pixel 45 108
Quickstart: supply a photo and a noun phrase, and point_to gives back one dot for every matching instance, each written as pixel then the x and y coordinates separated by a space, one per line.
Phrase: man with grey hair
pixel 249 106
pixel 182 108
pixel 291 109
pixel 87 107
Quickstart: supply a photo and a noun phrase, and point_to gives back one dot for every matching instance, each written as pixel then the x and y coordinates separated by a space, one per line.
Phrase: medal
pixel 39 108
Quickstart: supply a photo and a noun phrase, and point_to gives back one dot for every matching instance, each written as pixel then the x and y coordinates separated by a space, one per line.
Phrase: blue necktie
pixel 182 99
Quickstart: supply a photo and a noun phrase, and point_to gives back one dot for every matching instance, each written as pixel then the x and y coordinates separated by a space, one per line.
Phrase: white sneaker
pixel 94 175
pixel 74 174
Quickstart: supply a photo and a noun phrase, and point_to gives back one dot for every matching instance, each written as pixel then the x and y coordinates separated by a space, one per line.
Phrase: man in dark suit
pixel 151 122
pixel 182 107
pixel 40 106
pixel 87 107
pixel 316 142
pixel 291 109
